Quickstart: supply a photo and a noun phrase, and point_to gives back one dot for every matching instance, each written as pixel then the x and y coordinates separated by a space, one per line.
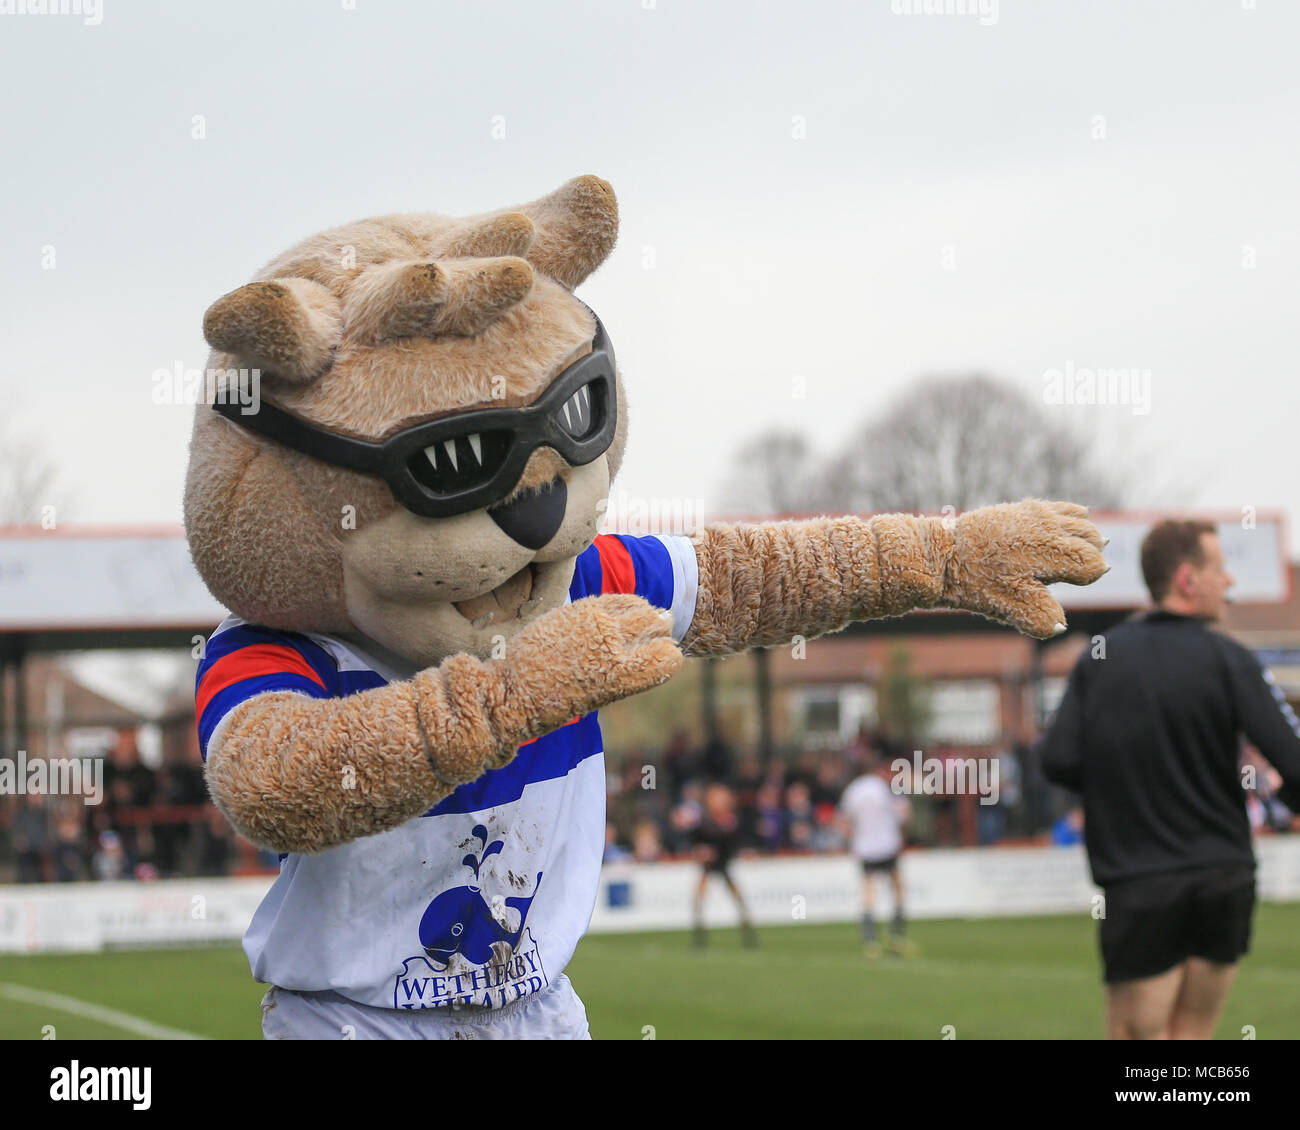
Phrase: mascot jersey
pixel 480 901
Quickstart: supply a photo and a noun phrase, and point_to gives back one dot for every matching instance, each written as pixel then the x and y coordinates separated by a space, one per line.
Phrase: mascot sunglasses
pixel 470 460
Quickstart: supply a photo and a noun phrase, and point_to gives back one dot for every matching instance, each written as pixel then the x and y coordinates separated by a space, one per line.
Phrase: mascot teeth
pixel 475 442
pixel 580 404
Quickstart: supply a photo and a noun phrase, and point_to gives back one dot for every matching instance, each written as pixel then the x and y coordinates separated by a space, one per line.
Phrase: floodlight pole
pixel 20 691
pixel 1037 648
pixel 709 698
pixel 763 684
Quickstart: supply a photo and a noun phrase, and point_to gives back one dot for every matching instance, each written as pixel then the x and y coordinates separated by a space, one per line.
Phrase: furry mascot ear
pixel 565 235
pixel 288 327
pixel 576 226
pixel 459 297
pixel 506 233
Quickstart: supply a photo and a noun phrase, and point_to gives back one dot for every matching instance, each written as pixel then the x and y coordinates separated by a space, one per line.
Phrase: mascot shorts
pixel 556 1013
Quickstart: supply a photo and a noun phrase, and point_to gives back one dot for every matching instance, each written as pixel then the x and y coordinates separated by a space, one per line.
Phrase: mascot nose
pixel 533 518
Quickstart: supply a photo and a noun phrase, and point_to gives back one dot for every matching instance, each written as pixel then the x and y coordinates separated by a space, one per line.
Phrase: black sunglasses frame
pixel 530 427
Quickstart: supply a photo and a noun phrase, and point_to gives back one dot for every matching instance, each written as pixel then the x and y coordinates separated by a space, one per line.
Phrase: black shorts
pixel 870 866
pixel 1155 922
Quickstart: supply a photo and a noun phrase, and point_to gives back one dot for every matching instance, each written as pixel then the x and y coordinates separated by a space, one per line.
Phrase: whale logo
pixel 460 920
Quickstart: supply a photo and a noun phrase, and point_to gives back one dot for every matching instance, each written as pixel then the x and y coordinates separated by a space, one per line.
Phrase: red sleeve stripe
pixel 250 663
pixel 617 573
pixel 570 722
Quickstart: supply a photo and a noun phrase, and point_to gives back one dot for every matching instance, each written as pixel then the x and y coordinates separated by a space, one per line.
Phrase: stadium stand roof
pixel 91 587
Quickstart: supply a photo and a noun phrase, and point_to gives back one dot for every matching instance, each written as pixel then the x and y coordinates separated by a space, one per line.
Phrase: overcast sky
pixel 839 192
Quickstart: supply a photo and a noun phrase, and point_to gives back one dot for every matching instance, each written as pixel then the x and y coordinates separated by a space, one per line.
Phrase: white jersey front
pixel 876 817
pixel 480 901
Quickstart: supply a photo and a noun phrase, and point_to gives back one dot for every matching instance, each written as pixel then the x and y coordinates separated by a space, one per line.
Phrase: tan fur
pixel 374 326
pixel 458 296
pixel 509 233
pixel 763 584
pixel 576 229
pixel 303 775
pixel 288 327
pixel 1005 555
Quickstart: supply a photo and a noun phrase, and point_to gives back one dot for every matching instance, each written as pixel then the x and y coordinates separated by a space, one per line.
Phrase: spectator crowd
pixel 160 823
pixel 656 801
pixel 150 823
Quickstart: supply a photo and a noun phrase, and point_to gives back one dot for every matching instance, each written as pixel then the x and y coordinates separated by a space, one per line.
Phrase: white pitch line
pixel 110 1016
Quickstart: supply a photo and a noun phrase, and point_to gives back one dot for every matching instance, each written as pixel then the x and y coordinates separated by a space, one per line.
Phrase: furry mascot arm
pixel 760 585
pixel 298 774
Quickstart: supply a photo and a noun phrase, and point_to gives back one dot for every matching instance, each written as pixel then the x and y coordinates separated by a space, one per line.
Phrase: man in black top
pixel 717 840
pixel 1149 732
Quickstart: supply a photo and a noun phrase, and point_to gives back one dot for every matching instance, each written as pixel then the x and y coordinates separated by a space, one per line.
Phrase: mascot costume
pixel 425 620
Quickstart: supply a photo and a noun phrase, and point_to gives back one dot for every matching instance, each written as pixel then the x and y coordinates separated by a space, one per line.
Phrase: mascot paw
pixel 1005 556
pixel 584 655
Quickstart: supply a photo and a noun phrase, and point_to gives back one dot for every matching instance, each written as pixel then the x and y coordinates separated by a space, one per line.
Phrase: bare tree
pixel 965 442
pixel 774 473
pixel 28 479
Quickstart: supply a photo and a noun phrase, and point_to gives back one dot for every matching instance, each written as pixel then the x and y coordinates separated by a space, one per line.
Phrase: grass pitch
pixel 1006 978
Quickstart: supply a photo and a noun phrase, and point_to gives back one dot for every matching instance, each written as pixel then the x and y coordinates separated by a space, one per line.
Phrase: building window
pixel 966 712
pixel 832 716
pixel 821 715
